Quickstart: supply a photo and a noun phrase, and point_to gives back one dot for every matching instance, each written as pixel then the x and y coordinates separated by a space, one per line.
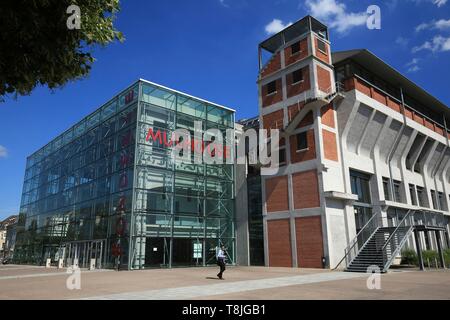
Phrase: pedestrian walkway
pixel 224 287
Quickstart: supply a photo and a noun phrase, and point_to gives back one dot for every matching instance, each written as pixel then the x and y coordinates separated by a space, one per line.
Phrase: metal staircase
pixel 377 243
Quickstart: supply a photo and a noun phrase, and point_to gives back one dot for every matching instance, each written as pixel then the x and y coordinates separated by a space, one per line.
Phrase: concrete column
pixel 439 245
pixel 419 250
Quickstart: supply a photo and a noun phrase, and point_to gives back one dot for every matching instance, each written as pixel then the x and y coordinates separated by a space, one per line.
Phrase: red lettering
pixel 167 144
pixel 154 137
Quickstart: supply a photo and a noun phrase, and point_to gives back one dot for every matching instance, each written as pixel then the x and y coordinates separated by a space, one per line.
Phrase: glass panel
pixel 158 97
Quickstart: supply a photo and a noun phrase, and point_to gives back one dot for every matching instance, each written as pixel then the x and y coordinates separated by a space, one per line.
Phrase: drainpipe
pixel 396 143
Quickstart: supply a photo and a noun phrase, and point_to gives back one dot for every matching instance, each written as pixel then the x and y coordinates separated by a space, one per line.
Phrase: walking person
pixel 221 261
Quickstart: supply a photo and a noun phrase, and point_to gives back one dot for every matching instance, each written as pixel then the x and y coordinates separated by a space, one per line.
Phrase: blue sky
pixel 208 48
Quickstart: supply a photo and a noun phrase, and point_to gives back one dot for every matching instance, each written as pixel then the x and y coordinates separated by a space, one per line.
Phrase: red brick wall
pixel 319 54
pixel 295 89
pixel 306 155
pixel 378 96
pixel 408 114
pixel 327 114
pixel 277 194
pixel 309 237
pixel 274 97
pixel 393 104
pixel 429 124
pixel 273 65
pixel 273 120
pixel 279 243
pixel 439 130
pixel 294 110
pixel 362 87
pixel 306 190
pixel 417 118
pixel 323 79
pixel 290 59
pixel 329 145
pixel 306 121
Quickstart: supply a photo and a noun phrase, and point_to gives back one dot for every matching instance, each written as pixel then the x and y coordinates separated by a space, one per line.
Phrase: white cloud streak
pixel 3 152
pixel 276 26
pixel 224 4
pixel 413 65
pixel 434 25
pixel 335 14
pixel 437 44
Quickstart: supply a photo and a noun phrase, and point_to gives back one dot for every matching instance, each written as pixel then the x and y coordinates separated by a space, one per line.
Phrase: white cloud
pixel 413 62
pixel 439 3
pixel 413 65
pixel 3 152
pixel 439 25
pixel 335 14
pixel 222 2
pixel 413 69
pixel 276 26
pixel 437 44
pixel 402 41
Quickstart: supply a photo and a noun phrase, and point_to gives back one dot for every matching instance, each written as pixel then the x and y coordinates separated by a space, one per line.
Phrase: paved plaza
pixel 241 283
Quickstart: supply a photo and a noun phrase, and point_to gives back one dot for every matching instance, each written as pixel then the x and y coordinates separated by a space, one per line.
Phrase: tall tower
pixel 297 93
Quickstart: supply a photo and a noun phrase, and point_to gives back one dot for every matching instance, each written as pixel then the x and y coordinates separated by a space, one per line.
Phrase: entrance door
pixel 155 252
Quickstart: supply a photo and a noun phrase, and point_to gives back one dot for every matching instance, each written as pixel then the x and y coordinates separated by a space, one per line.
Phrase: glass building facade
pixel 103 193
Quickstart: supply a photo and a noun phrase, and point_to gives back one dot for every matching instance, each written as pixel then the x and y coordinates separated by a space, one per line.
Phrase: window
pixel 321 45
pixel 282 155
pixel 397 192
pixel 302 141
pixel 297 76
pixel 441 201
pixel 360 186
pixel 433 200
pixel 387 195
pixel 272 87
pixel 412 192
pixel 421 195
pixel 295 48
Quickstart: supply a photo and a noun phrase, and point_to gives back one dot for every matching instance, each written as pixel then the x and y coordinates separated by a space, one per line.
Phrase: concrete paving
pixel 23 282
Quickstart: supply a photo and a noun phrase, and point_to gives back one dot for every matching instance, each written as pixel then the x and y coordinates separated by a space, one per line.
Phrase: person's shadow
pixel 212 278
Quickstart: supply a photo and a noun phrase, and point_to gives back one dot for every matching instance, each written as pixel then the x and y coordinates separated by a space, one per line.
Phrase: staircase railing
pixel 397 239
pixel 356 245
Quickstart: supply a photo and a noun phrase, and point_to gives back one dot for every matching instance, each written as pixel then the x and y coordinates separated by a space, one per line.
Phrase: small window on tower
pixel 295 48
pixel 321 45
pixel 297 76
pixel 271 87
pixel 302 141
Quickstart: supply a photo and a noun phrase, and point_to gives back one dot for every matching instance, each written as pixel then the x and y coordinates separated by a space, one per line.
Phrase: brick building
pixel 365 156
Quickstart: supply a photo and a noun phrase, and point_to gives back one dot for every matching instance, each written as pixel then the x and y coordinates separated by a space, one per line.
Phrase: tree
pixel 39 44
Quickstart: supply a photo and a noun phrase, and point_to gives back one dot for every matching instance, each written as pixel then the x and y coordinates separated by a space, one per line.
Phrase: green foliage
pixel 430 257
pixel 37 47
pixel 447 257
pixel 409 257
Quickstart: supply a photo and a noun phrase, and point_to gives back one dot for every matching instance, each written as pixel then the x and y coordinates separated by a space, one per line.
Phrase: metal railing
pixel 430 219
pixel 361 239
pixel 397 239
pixel 390 247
